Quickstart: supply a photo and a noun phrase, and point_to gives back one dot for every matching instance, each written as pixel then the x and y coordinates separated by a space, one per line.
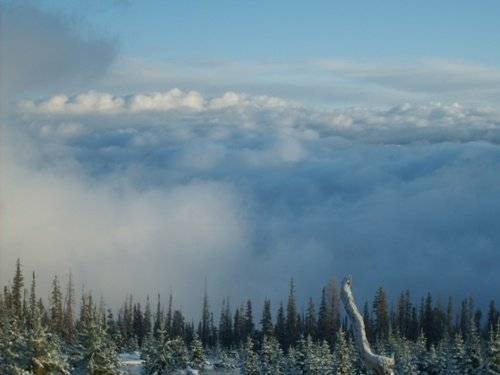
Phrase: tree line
pixel 51 336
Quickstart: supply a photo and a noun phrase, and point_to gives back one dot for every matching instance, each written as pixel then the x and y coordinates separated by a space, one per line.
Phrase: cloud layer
pixel 163 188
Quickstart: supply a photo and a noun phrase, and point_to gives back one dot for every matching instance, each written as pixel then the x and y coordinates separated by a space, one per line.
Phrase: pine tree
pixel 147 325
pixel 17 291
pixel 251 365
pixel 473 355
pixel 45 350
pixel 310 324
pixel 98 351
pixel 197 353
pixel 456 358
pixel 292 328
pixel 381 314
pixel 280 329
pixel 342 356
pixel 249 324
pixel 225 326
pixel 325 358
pixel 158 324
pixel 33 307
pixel 204 331
pixel 406 361
pixel 421 353
pixel 68 316
pixel 267 320
pixel 494 348
pixel 271 357
pixel 56 308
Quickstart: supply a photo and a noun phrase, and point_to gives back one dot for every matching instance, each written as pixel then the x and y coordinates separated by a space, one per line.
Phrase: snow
pixel 131 363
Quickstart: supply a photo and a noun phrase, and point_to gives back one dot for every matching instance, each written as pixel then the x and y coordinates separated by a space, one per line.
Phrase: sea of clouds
pixel 159 188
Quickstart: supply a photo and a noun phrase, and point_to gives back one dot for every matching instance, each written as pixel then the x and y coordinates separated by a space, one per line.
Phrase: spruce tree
pixel 158 323
pixel 267 320
pixel 292 328
pixel 251 365
pixel 494 348
pixel 17 291
pixel 381 316
pixel 197 360
pixel 280 329
pixel 342 355
pixel 456 364
pixel 271 357
pixel 310 324
pixel 473 352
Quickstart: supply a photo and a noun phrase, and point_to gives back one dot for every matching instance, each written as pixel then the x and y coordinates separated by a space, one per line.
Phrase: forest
pixel 60 335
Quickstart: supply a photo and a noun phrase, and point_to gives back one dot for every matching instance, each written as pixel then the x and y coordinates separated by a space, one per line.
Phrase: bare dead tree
pixel 379 364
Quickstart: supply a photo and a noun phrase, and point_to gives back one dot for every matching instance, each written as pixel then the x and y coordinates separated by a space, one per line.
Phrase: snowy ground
pixel 132 364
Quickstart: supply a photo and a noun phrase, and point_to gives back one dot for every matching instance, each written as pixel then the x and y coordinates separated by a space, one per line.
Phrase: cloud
pixel 42 51
pixel 328 82
pixel 250 190
pixel 230 112
pixel 104 103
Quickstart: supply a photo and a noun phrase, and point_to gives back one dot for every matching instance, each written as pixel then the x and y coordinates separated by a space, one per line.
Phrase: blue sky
pixel 297 30
pixel 147 142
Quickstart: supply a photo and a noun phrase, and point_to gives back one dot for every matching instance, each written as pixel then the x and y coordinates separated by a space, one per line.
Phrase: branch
pixel 379 364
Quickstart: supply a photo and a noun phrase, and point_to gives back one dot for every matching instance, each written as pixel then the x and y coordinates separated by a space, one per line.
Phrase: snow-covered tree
pixel 494 348
pixel 405 357
pixel 456 357
pixel 197 353
pixel 473 353
pixel 251 365
pixel 167 356
pixel 342 355
pixel 271 357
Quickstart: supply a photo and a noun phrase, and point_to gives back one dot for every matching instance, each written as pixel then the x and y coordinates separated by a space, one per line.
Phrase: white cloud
pixel 247 187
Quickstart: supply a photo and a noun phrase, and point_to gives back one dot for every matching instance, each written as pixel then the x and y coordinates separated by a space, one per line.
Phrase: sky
pixel 146 145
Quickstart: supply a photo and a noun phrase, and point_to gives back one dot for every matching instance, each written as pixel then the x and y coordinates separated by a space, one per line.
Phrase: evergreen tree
pixel 45 350
pixel 146 324
pixel 99 355
pixel 405 357
pixel 68 324
pixel 310 324
pixel 342 356
pixel 456 364
pixel 251 365
pixel 178 325
pixel 33 306
pixel 249 324
pixel 56 308
pixel 492 318
pixel 473 354
pixel 225 326
pixel 197 353
pixel 204 329
pixel 167 356
pixel 280 329
pixel 494 348
pixel 271 357
pixel 381 315
pixel 267 320
pixel 292 327
pixel 158 323
pixel 17 291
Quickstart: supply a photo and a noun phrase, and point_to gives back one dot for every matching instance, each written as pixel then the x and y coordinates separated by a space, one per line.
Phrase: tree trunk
pixel 380 365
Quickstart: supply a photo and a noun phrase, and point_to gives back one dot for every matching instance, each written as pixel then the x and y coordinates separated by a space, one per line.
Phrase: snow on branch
pixel 380 365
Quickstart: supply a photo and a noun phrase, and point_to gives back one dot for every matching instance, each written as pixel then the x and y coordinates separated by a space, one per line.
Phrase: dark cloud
pixel 42 51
